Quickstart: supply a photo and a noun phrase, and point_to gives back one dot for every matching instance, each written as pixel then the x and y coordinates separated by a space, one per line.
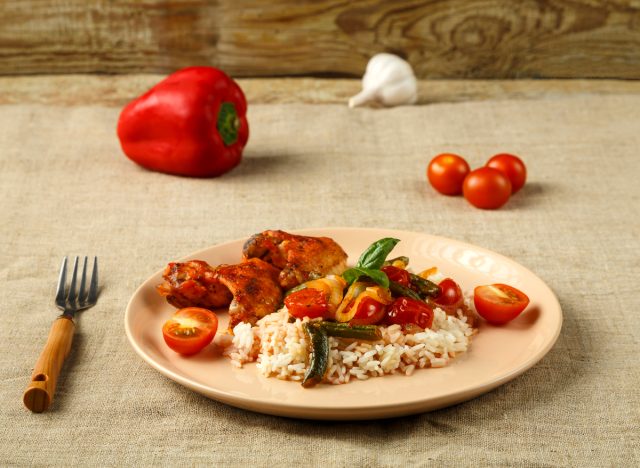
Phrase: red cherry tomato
pixel 307 302
pixel 499 303
pixel 369 312
pixel 397 275
pixel 446 173
pixel 450 293
pixel 405 310
pixel 190 329
pixel 512 166
pixel 487 188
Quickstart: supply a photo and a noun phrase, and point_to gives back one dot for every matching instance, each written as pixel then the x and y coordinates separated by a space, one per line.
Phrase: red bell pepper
pixel 193 123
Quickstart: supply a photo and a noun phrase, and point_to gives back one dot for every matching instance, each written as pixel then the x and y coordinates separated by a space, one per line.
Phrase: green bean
pixel 399 290
pixel 425 287
pixel 318 355
pixel 344 330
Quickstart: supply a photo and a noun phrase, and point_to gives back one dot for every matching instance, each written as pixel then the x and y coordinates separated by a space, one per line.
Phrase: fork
pixel 39 393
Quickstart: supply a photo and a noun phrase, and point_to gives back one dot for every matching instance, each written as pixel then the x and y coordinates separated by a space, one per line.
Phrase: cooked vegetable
pixel 368 312
pixel 344 330
pixel 398 291
pixel 297 288
pixel 331 285
pixel 307 302
pixel 398 262
pixel 425 287
pixel 343 313
pixel 190 329
pixel 318 355
pixel 358 292
pixel 499 303
pixel 398 275
pixel 405 310
pixel 450 293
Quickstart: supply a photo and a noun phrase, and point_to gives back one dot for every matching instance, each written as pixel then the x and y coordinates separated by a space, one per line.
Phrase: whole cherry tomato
pixel 405 310
pixel 369 312
pixel 398 275
pixel 499 303
pixel 512 166
pixel 307 302
pixel 487 188
pixel 446 173
pixel 450 293
pixel 190 329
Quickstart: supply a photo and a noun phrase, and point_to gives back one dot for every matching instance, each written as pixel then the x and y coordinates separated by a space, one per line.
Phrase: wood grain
pixel 117 90
pixel 442 39
pixel 38 395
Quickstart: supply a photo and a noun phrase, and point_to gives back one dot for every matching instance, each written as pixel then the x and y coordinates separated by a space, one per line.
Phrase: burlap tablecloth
pixel 65 188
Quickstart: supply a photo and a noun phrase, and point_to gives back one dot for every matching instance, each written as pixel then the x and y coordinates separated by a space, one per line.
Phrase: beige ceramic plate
pixel 497 354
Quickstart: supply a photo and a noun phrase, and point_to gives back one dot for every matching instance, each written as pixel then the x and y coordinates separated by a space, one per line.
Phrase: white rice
pixel 280 348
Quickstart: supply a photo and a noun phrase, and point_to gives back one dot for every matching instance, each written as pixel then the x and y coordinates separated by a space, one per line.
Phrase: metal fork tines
pixel 70 300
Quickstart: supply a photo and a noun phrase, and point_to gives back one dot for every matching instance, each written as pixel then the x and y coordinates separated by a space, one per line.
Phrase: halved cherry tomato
pixel 450 293
pixel 499 303
pixel 487 188
pixel 369 312
pixel 307 302
pixel 512 166
pixel 405 310
pixel 398 275
pixel 190 329
pixel 446 172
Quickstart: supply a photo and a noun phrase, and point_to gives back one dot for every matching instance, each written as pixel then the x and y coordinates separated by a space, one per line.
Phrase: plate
pixel 484 367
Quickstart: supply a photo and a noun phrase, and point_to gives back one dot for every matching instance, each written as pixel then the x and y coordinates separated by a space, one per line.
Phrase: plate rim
pixel 376 410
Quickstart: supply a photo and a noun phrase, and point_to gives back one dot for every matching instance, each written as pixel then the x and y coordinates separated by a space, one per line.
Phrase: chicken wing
pixel 255 289
pixel 300 258
pixel 193 284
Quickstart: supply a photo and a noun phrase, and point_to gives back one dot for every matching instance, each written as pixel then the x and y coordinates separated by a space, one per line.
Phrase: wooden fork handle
pixel 39 393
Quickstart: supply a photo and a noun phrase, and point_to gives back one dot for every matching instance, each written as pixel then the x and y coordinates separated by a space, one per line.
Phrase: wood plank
pixel 442 39
pixel 117 90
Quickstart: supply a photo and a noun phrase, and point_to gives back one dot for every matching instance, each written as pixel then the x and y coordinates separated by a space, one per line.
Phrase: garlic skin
pixel 388 80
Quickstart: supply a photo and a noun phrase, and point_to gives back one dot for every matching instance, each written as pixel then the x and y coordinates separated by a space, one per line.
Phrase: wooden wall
pixel 441 38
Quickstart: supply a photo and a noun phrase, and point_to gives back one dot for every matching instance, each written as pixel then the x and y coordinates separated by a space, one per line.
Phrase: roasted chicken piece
pixel 250 289
pixel 193 284
pixel 255 289
pixel 300 258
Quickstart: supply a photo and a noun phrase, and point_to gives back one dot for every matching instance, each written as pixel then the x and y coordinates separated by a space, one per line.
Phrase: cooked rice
pixel 280 348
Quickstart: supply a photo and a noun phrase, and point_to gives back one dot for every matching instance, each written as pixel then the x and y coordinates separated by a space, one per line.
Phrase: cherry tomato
pixel 446 172
pixel 405 310
pixel 450 293
pixel 398 275
pixel 512 166
pixel 190 329
pixel 487 188
pixel 369 312
pixel 499 303
pixel 307 302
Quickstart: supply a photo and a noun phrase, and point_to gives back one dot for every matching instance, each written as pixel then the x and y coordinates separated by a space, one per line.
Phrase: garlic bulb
pixel 388 80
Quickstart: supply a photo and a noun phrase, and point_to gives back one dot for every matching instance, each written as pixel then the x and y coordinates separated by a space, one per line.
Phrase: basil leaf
pixel 352 274
pixel 375 255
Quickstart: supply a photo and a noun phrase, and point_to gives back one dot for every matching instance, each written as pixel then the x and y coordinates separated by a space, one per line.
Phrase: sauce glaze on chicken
pixel 300 258
pixel 273 262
